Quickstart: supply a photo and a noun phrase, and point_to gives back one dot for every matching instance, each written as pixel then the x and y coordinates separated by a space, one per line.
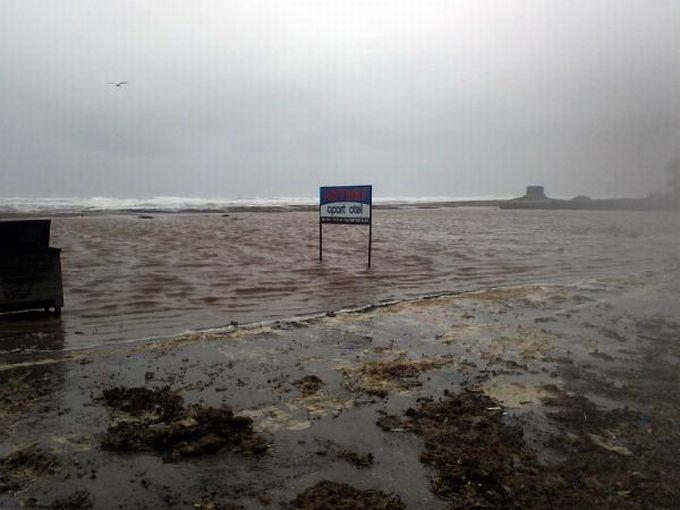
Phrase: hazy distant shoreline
pixel 28 210
pixel 11 208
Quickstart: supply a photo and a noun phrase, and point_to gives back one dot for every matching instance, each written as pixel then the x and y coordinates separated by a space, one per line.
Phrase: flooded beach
pixel 130 277
pixel 527 396
pixel 364 255
pixel 488 359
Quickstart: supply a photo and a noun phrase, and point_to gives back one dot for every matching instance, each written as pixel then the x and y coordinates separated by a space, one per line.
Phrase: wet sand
pixel 128 277
pixel 528 396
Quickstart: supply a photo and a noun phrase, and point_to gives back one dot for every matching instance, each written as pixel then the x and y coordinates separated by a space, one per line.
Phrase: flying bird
pixel 119 84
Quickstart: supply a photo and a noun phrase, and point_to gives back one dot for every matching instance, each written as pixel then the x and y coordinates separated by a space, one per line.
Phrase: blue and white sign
pixel 346 204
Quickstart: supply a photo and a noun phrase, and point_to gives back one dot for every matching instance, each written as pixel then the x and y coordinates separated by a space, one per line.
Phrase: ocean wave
pixel 174 203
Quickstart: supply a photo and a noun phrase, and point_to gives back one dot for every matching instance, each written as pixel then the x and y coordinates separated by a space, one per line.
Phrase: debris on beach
pixel 378 378
pixel 209 503
pixel 358 460
pixel 160 402
pixel 21 390
pixel 390 423
pixel 515 394
pixel 25 465
pixel 595 433
pixel 157 420
pixel 658 327
pixel 309 384
pixel 79 500
pixel 525 344
pixel 475 334
pixel 327 495
pixel 607 444
pixel 272 419
pixel 581 415
pixel 479 461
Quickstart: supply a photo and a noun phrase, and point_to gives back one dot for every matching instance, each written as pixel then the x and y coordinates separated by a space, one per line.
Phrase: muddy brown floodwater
pixel 129 277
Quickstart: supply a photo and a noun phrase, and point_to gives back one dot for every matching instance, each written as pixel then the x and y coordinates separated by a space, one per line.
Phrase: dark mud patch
pixel 596 353
pixel 582 416
pixel 327 495
pixel 209 503
pixel 162 424
pixel 25 465
pixel 658 326
pixel 308 385
pixel 357 459
pixel 79 500
pixel 390 423
pixel 630 457
pixel 162 402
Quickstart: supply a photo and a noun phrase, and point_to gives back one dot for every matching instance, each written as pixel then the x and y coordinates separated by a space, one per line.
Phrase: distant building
pixel 674 182
pixel 535 193
pixel 535 198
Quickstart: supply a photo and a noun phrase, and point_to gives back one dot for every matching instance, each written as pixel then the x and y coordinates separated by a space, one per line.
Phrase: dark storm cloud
pixel 258 98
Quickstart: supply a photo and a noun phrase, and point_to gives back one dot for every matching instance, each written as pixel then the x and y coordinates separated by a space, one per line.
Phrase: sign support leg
pixel 370 241
pixel 320 241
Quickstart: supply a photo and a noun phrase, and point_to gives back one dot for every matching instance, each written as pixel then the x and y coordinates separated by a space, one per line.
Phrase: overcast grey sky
pixel 259 98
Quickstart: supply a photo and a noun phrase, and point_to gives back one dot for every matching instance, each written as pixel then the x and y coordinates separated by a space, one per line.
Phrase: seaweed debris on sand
pixel 162 402
pixel 308 385
pixel 357 459
pixel 23 466
pixel 378 378
pixel 157 420
pixel 480 461
pixel 390 423
pixel 327 495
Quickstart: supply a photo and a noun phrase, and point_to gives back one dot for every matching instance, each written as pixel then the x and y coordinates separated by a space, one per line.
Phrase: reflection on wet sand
pixel 30 389
pixel 31 330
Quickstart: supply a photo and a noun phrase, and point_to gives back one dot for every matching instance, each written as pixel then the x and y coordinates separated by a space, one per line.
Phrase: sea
pixel 136 269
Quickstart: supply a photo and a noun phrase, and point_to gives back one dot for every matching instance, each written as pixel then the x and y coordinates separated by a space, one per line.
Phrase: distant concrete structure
pixel 535 198
pixel 535 193
pixel 669 200
pixel 673 169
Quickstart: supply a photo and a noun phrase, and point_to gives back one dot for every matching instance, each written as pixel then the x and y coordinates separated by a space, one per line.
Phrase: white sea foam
pixel 169 203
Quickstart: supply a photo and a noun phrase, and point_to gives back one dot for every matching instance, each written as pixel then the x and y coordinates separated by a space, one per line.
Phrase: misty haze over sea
pixel 272 99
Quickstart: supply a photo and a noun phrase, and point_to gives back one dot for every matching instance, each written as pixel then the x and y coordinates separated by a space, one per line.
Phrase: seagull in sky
pixel 118 84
